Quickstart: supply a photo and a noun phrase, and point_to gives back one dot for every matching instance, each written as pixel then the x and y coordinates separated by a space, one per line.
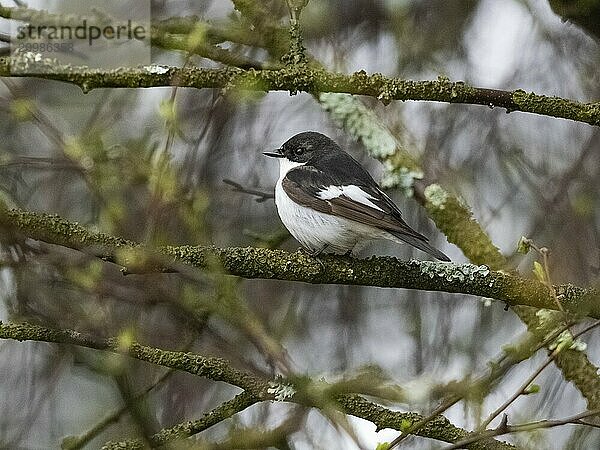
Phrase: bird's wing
pixel 363 202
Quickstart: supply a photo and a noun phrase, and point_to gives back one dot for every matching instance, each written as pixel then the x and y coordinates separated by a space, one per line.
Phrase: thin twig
pixel 421 423
pixel 504 428
pixel 501 365
pixel 523 388
pixel 262 196
pixel 521 391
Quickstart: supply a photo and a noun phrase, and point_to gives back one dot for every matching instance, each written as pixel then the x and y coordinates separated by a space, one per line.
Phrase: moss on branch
pixel 303 79
pixel 456 221
pixel 252 262
pixel 438 427
pixel 295 78
pixel 216 369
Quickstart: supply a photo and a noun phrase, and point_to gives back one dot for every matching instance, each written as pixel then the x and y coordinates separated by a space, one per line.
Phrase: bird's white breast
pixel 315 230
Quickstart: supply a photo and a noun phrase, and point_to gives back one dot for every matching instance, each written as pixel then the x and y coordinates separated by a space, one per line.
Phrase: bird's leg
pixel 317 252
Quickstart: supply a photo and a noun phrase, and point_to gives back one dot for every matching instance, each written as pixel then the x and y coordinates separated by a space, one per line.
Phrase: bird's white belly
pixel 318 231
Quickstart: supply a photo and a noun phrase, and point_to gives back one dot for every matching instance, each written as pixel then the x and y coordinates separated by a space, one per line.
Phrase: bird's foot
pixel 315 253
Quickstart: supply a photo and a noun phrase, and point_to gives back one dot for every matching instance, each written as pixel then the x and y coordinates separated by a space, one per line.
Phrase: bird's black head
pixel 304 146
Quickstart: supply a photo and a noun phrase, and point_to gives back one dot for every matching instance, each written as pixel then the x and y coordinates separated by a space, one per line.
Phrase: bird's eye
pixel 299 151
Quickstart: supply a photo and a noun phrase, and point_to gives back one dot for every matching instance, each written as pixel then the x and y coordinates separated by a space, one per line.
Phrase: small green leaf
pixel 197 38
pixel 583 204
pixel 383 446
pixel 524 245
pixel 166 110
pixel 405 425
pixel 531 389
pixel 21 109
pixel 539 272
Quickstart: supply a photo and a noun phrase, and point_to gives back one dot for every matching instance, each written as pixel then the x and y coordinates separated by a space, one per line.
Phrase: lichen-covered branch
pixel 257 389
pixel 252 262
pixel 455 219
pixel 304 79
pixel 216 369
pixel 294 78
pixel 438 428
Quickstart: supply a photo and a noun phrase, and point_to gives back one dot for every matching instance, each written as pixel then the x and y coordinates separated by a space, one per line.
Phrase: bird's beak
pixel 276 154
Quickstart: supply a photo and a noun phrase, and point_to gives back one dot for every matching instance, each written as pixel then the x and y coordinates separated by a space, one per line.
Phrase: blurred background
pixel 149 165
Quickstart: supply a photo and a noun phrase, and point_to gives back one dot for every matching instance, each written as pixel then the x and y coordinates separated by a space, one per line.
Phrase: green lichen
pixel 557 107
pixel 348 112
pixel 55 229
pixel 27 62
pixel 281 391
pixel 453 217
pixel 436 196
pixel 296 56
pixel 452 272
pixel 547 318
pixel 360 122
pixel 402 178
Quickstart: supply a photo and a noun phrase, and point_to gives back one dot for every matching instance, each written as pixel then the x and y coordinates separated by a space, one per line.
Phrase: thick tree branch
pixel 305 79
pixel 302 392
pixel 251 262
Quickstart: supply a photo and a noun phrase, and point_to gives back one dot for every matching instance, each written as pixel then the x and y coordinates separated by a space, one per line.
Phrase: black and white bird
pixel 330 204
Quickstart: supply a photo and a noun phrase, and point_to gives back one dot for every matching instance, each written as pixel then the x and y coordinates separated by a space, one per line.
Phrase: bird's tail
pixel 421 245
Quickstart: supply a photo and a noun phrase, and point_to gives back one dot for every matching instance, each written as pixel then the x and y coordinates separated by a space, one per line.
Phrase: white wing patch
pixel 351 191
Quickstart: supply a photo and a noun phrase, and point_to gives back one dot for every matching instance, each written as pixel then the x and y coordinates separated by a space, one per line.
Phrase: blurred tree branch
pixel 80 441
pixel 304 79
pixel 293 78
pixel 505 428
pixel 261 196
pixel 189 34
pixel 192 427
pixel 301 390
